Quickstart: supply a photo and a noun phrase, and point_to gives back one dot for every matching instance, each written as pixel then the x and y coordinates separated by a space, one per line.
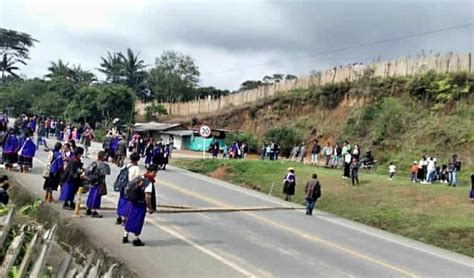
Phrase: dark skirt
pixel 68 190
pixel 52 182
pixel 421 174
pixel 25 161
pixel 10 158
pixel 148 159
pixel 135 218
pixel 122 206
pixel 94 198
pixel 471 196
pixel 289 188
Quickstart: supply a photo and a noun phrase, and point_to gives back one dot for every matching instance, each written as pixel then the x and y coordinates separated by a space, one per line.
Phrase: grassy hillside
pixel 400 119
pixel 435 214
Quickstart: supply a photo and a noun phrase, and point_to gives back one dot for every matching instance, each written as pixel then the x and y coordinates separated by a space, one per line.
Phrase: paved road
pixel 256 244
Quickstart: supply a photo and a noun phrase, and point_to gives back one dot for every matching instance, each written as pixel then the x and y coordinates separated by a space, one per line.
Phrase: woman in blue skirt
pixel 141 198
pixel 100 169
pixel 72 179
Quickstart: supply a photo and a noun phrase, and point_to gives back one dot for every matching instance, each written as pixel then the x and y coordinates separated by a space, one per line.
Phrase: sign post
pixel 205 132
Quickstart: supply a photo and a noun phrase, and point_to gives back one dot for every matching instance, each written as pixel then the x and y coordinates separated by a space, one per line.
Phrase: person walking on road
pixel 26 153
pixel 141 196
pixel 72 179
pixel 88 136
pixel 313 192
pixel 126 175
pixel 289 184
pixel 98 186
pixel 54 170
pixel 10 148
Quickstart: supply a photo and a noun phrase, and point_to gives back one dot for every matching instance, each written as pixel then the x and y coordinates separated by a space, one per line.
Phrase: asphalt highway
pixel 283 243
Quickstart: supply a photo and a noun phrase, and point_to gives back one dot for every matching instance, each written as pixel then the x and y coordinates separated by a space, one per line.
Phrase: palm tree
pixel 113 67
pixel 82 77
pixel 60 69
pixel 134 70
pixel 7 65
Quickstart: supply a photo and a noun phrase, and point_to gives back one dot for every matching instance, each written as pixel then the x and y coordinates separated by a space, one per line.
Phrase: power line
pixel 342 49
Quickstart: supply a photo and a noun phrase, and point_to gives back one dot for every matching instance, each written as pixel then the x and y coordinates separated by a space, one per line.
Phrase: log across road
pixel 283 243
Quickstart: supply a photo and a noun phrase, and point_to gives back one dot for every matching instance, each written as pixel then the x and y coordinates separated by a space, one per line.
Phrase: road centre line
pixel 187 240
pixel 292 230
pixel 322 217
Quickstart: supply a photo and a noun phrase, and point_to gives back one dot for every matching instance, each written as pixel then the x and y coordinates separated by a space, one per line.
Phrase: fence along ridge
pixel 446 63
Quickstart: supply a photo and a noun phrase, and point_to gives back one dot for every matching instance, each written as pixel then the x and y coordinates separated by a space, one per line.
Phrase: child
pixel 414 172
pixel 355 171
pixel 391 170
pixel 4 185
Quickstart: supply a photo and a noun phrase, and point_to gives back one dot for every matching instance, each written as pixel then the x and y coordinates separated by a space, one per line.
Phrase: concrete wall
pixel 450 62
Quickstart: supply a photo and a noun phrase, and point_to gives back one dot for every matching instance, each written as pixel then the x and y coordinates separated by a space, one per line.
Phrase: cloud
pixel 232 41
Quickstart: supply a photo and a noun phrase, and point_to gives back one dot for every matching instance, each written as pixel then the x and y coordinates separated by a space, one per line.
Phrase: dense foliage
pixel 286 136
pixel 246 137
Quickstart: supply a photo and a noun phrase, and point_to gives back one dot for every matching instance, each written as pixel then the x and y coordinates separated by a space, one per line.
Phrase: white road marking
pixel 185 239
pixel 265 198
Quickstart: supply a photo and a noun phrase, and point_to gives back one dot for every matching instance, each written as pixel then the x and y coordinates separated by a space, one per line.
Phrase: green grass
pixel 435 214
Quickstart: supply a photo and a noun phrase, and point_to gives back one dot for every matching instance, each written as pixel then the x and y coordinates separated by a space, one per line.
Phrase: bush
pixel 286 137
pixel 245 137
pixel 329 96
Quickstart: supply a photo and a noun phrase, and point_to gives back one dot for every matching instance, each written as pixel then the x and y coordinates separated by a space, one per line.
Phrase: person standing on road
pixel 72 179
pixel 127 173
pixel 99 188
pixel 10 149
pixel 26 153
pixel 141 196
pixel 88 136
pixel 313 192
pixel 42 131
pixel 54 170
pixel 289 184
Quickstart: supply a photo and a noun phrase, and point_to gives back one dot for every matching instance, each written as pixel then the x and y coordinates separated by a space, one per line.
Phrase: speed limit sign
pixel 205 131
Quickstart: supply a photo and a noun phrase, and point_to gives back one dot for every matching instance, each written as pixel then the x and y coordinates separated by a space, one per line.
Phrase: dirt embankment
pixel 68 234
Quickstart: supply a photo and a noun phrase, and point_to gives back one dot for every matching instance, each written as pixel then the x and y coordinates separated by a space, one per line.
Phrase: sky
pixel 234 41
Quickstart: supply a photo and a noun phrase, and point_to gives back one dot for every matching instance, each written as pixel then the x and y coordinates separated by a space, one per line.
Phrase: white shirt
pixel 431 165
pixel 149 188
pixel 391 168
pixel 348 158
pixel 133 171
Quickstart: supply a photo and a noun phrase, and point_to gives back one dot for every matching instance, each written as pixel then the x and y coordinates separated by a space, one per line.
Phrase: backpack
pixel 133 192
pixel 122 179
pixel 92 174
pixel 317 191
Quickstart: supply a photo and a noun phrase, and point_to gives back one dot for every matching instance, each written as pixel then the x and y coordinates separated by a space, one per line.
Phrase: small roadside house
pixel 168 132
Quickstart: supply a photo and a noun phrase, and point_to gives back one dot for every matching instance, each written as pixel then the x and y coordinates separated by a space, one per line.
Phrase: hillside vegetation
pixel 399 118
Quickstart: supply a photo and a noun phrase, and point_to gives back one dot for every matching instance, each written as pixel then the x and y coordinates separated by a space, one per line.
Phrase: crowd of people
pixel 427 170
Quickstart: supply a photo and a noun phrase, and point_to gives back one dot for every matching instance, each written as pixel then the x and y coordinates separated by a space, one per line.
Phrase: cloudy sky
pixel 233 41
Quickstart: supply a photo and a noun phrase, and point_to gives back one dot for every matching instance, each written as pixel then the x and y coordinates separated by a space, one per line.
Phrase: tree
pixel 290 77
pixel 67 80
pixel 286 137
pixel 7 65
pixel 134 73
pixel 154 111
pixel 250 84
pixel 174 77
pixel 14 48
pixel 101 102
pixel 113 67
